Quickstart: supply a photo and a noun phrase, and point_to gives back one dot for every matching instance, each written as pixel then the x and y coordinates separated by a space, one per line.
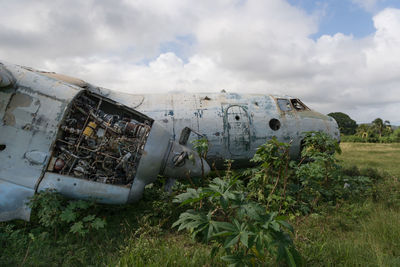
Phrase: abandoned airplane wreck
pixel 89 142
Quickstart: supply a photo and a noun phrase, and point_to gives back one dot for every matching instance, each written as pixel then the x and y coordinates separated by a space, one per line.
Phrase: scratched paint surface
pixel 211 115
pixel 237 127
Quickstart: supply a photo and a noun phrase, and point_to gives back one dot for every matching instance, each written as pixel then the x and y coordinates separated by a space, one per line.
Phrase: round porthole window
pixel 274 124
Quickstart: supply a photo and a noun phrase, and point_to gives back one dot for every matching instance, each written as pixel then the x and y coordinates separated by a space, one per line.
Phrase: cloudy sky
pixel 336 55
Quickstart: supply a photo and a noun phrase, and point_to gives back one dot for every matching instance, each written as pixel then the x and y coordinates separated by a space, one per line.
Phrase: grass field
pixel 365 233
pixel 358 233
pixel 384 157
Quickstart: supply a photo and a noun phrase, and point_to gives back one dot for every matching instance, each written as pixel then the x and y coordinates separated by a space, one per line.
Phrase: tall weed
pixel 221 215
pixel 295 188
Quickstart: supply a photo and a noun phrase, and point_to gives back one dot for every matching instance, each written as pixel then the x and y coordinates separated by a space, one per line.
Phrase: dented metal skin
pixel 33 111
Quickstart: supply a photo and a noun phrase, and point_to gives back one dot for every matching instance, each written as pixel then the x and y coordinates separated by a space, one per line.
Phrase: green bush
pixel 396 135
pixel 221 214
pixel 231 214
pixel 392 138
pixel 268 181
pixel 296 188
pixel 58 213
pixel 352 138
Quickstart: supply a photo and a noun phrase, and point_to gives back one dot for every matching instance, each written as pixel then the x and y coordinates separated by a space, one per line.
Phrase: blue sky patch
pixel 180 46
pixel 343 16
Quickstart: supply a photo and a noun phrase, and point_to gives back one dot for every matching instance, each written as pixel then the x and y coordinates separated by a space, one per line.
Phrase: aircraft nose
pixel 183 162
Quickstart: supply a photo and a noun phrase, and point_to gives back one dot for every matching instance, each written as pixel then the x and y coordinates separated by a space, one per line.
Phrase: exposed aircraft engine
pixel 99 142
pixel 85 145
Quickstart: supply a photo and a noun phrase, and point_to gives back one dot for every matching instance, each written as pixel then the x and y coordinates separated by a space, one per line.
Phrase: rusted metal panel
pixel 64 78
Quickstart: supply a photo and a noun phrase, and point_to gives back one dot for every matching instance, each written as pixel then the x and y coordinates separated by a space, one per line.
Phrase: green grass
pixel 135 235
pixel 384 157
pixel 111 249
pixel 356 235
pixel 365 233
pixel 360 233
pixel 166 250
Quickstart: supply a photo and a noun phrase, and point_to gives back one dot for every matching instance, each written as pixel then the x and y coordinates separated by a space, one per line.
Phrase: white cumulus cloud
pixel 250 46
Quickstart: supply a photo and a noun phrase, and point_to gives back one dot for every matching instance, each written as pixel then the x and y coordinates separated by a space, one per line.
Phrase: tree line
pixel 378 131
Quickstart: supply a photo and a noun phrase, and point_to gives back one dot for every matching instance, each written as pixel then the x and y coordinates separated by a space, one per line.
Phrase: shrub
pixel 296 188
pixel 353 139
pixel 220 213
pixel 268 181
pixel 58 213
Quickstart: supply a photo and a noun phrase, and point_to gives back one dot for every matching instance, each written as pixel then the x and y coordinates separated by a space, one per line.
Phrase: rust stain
pixel 64 78
pixel 17 100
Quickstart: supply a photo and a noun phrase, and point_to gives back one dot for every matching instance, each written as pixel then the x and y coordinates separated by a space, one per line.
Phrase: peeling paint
pixel 17 100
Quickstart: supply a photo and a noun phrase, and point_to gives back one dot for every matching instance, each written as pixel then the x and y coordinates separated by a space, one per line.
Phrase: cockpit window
pixel 298 105
pixel 284 104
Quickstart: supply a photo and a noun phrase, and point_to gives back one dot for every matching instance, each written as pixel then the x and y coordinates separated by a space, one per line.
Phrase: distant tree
pixel 381 128
pixel 388 128
pixel 363 130
pixel 346 124
pixel 377 126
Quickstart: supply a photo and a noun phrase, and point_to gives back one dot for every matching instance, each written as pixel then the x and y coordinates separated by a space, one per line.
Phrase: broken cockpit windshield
pixel 285 105
pixel 298 105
